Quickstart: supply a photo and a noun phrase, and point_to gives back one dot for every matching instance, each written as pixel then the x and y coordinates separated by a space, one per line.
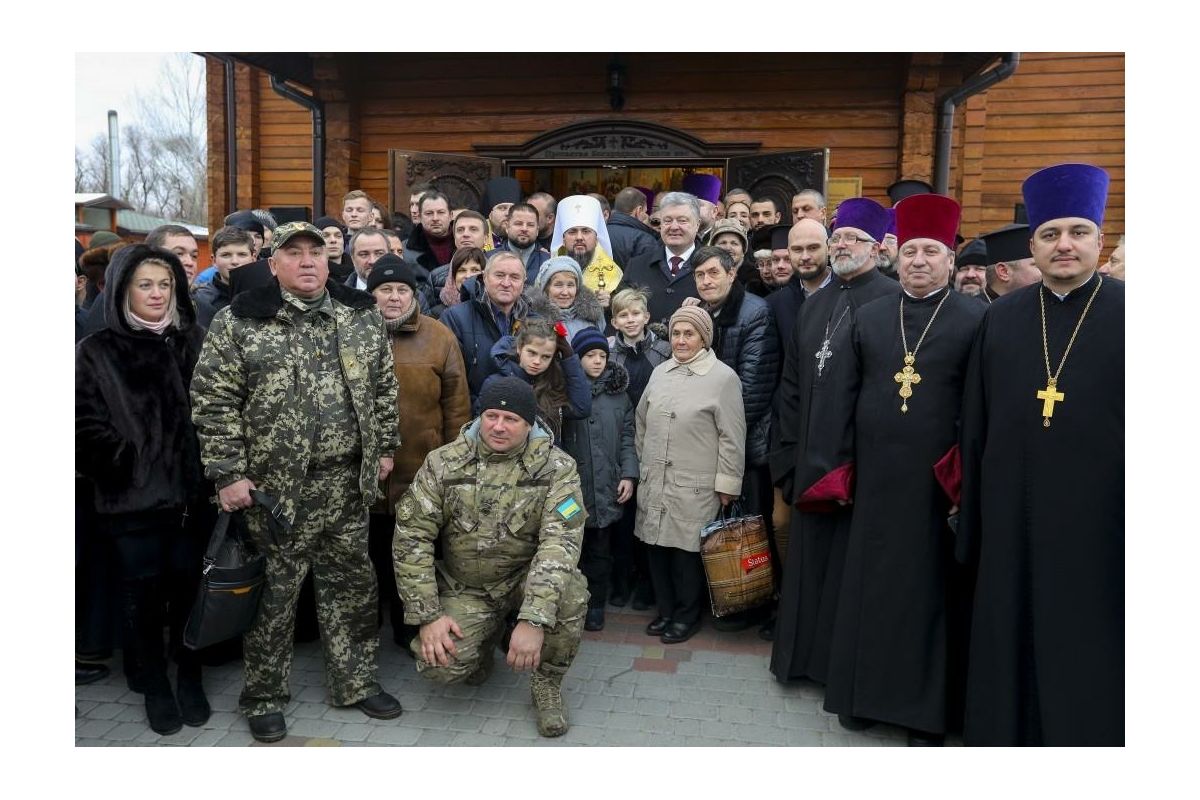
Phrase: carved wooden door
pixel 780 175
pixel 460 178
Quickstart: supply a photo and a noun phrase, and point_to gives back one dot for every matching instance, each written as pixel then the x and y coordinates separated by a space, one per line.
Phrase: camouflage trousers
pixel 482 618
pixel 329 537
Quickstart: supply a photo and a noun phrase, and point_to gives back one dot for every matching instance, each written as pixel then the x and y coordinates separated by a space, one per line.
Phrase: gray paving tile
pixel 493 727
pixel 93 728
pixel 801 737
pixel 208 737
pixel 353 732
pixel 432 738
pixel 125 732
pixel 693 711
pixel 466 723
pixel 105 710
pixel 478 740
pixel 809 722
pixel 309 710
pixel 313 728
pixel 236 738
pixel 394 735
pixel 91 743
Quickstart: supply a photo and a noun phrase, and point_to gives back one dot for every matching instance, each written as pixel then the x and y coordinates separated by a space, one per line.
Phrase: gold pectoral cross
pixel 906 378
pixel 1049 396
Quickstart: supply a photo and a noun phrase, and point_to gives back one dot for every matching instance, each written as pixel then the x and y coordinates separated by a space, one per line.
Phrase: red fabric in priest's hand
pixel 948 471
pixel 832 487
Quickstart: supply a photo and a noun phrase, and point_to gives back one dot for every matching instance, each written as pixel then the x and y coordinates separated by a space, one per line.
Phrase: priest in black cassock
pixel 901 607
pixel 1043 506
pixel 806 398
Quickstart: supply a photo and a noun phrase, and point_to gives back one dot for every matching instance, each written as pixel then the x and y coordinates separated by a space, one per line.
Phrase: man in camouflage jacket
pixel 507 506
pixel 295 395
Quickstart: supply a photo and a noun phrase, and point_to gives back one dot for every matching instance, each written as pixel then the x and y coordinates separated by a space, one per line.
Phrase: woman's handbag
pixel 231 584
pixel 737 562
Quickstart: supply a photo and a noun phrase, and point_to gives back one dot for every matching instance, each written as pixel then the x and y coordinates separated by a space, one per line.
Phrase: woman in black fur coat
pixel 134 440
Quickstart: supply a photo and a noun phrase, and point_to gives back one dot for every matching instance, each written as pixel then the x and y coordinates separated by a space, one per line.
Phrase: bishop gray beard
pixel 848 265
pixel 583 259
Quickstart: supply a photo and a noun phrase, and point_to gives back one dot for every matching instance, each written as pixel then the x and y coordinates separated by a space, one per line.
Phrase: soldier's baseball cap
pixel 290 230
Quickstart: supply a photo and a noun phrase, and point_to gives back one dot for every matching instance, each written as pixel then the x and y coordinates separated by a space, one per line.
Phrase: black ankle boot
pixel 193 704
pixel 161 710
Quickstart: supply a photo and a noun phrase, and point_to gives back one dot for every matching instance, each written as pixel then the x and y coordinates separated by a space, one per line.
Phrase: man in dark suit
pixel 667 271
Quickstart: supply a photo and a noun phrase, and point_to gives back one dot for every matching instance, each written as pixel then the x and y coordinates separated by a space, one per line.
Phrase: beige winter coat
pixel 691 444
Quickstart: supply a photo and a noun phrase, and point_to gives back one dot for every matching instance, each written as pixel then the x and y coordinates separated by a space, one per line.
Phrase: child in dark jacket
pixel 638 349
pixel 602 446
pixel 540 354
pixel 635 346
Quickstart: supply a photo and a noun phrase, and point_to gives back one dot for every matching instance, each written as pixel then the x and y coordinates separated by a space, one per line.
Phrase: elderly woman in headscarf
pixel 135 441
pixel 691 443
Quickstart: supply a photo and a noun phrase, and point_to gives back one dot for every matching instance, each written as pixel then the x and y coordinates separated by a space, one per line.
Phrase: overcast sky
pixel 106 81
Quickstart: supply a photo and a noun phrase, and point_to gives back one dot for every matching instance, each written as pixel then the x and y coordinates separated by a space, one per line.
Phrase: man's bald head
pixel 808 248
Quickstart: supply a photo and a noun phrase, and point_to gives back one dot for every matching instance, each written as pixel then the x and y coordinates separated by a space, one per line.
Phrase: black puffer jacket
pixel 639 360
pixel 744 338
pixel 134 437
pixel 602 446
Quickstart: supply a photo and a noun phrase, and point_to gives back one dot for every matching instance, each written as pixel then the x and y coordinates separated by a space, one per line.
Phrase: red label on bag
pixel 750 562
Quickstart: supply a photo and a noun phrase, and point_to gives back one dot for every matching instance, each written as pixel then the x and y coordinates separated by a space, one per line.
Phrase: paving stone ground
pixel 625 688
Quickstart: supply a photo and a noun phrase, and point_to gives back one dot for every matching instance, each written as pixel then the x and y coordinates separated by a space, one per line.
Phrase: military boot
pixel 548 700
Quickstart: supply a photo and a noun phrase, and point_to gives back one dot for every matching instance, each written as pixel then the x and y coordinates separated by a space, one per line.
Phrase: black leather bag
pixel 231 583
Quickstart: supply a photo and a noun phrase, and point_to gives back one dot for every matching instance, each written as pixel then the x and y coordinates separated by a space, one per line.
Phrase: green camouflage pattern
pixel 482 620
pixel 506 521
pixel 258 401
pixel 290 229
pixel 330 537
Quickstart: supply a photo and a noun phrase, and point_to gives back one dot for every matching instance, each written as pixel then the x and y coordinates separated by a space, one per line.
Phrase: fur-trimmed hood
pixel 614 380
pixel 586 307
pixel 121 266
pixel 264 302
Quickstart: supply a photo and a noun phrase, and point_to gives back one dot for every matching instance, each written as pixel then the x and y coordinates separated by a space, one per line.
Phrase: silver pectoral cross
pixel 822 356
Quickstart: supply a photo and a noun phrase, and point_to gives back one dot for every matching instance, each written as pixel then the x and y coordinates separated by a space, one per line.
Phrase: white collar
pixel 685 255
pixel 931 294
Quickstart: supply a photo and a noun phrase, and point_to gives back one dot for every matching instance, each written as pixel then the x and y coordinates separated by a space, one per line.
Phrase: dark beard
pixel 583 259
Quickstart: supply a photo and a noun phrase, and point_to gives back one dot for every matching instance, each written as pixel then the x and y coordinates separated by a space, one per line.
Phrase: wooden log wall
pixel 873 111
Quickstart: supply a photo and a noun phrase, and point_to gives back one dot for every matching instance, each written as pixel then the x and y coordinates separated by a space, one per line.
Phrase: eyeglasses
pixel 850 239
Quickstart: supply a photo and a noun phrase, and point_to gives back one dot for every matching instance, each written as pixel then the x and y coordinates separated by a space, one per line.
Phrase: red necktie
pixel 675 262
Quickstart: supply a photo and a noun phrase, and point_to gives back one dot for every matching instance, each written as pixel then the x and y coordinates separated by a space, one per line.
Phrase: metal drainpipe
pixel 975 85
pixel 230 132
pixel 318 114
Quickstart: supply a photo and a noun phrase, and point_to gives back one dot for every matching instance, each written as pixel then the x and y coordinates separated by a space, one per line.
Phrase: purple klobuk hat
pixel 1065 190
pixel 892 221
pixel 706 187
pixel 866 215
pixel 649 194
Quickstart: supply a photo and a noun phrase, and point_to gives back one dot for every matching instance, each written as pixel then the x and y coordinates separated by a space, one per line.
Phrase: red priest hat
pixel 927 216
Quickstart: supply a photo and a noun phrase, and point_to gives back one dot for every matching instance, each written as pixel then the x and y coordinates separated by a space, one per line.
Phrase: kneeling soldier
pixel 508 506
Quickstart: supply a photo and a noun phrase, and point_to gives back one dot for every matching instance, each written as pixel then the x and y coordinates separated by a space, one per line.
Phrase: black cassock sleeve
pixel 785 417
pixel 972 438
pixel 827 472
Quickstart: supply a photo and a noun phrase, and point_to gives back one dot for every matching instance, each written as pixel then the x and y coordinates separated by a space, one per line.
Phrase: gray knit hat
pixel 558 264
pixel 700 320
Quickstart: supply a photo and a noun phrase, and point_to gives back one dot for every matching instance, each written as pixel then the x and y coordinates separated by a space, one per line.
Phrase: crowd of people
pixel 484 426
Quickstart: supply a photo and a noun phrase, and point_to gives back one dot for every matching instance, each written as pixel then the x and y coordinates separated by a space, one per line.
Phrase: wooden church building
pixel 295 131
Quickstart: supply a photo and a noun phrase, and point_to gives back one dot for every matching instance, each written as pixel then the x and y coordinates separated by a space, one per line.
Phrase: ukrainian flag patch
pixel 568 508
